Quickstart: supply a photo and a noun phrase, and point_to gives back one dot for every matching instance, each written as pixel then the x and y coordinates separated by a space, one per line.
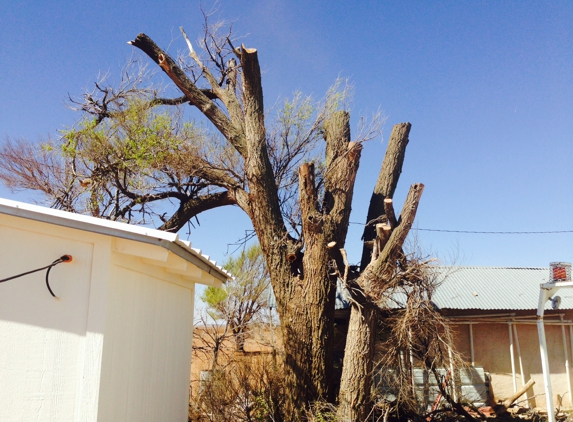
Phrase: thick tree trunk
pixel 354 399
pixel 306 323
pixel 356 383
pixel 374 281
pixel 306 305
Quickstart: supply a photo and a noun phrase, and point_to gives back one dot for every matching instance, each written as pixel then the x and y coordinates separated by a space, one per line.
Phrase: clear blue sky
pixel 487 86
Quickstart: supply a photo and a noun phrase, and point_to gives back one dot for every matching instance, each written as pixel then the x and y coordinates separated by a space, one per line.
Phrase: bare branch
pixel 377 277
pixel 233 134
pixel 227 96
pixel 27 166
pixel 390 215
pixel 194 206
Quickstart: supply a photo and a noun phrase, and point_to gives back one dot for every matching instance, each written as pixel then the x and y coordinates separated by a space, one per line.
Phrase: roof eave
pixel 169 241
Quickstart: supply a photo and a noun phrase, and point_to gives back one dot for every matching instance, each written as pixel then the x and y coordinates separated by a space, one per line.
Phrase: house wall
pixel 48 370
pixel 492 352
pixel 147 348
pixel 262 349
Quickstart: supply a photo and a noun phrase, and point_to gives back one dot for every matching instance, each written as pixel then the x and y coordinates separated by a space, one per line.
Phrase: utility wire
pixel 484 232
pixel 64 258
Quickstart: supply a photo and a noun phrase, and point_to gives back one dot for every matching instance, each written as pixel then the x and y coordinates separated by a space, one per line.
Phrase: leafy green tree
pixel 246 298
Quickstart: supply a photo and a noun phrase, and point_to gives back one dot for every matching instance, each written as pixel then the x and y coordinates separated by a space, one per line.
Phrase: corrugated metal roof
pixel 143 234
pixel 491 288
pixel 483 288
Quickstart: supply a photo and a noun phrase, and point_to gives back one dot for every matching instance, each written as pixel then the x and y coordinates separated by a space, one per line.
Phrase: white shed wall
pixel 42 340
pixel 146 344
pixel 116 345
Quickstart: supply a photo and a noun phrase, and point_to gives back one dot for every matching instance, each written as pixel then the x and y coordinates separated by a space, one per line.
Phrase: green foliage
pixel 128 153
pixel 213 296
pixel 137 137
pixel 244 297
pixel 296 112
pixel 116 166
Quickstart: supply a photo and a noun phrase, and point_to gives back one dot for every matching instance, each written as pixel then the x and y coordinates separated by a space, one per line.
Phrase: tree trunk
pixel 354 399
pixel 306 323
pixel 374 281
pixel 356 383
pixel 306 304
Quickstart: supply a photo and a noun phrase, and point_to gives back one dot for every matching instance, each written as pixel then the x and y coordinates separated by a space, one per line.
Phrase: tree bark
pixel 386 184
pixel 355 398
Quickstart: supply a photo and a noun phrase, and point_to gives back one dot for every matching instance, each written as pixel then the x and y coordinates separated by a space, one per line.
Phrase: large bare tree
pixel 125 157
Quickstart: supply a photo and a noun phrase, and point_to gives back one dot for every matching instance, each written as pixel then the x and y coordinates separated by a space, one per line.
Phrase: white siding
pixel 40 337
pixel 116 345
pixel 146 356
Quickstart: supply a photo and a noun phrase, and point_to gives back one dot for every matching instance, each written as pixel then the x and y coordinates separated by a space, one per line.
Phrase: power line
pixel 486 232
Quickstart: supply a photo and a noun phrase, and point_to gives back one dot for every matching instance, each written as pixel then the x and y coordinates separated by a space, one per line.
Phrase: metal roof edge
pixel 169 241
pixel 199 260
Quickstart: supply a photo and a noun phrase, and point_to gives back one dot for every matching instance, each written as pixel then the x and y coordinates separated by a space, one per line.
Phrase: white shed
pixel 115 345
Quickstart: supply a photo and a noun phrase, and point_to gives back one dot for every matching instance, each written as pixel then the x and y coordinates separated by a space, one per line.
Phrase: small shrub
pixel 247 389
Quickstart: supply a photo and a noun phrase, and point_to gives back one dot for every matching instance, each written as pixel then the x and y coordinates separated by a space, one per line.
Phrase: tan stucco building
pixel 492 311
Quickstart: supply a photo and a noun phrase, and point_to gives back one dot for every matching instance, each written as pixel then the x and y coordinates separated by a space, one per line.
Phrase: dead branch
pixel 377 276
pixel 195 95
pixel 227 96
pixel 509 401
pixel 335 254
pixel 383 232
